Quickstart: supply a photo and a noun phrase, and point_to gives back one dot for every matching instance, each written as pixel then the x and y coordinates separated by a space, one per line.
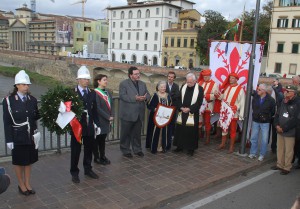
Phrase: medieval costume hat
pixel 205 72
pixel 226 83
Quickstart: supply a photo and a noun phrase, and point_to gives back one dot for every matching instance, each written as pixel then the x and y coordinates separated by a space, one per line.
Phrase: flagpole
pixel 250 81
pixel 242 25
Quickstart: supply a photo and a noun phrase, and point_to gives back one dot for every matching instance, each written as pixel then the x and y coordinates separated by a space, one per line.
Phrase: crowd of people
pixel 189 110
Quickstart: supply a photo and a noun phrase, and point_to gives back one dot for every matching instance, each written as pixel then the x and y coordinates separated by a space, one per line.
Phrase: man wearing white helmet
pixel 20 113
pixel 87 121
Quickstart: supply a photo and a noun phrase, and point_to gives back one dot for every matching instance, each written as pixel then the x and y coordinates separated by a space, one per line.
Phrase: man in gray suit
pixel 133 95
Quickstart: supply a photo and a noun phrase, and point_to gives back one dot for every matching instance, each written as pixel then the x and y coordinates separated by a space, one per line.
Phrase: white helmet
pixel 83 72
pixel 22 78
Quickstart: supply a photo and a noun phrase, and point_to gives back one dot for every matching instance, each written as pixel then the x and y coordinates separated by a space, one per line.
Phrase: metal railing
pixel 53 142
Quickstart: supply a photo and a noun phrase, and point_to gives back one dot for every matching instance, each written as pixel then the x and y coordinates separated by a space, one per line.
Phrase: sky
pixel 230 9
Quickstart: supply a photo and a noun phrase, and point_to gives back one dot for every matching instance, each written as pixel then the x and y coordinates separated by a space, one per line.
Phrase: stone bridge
pixel 64 69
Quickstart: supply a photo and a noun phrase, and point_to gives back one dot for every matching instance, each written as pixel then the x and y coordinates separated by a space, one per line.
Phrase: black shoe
pixel 76 179
pixel 26 193
pixel 97 160
pixel 140 154
pixel 297 166
pixel 190 152
pixel 31 191
pixel 177 150
pixel 128 155
pixel 284 172
pixel 275 168
pixel 91 174
pixel 104 161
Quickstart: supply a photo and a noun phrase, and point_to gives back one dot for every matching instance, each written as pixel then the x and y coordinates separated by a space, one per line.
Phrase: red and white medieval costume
pixel 209 87
pixel 234 96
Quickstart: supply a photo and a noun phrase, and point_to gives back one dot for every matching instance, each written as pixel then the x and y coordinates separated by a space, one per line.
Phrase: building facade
pixel 284 52
pixel 4 25
pixel 180 41
pixel 136 30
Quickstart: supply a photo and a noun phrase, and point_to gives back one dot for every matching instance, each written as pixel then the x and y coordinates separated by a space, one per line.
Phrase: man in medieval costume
pixel 209 87
pixel 234 95
pixel 186 132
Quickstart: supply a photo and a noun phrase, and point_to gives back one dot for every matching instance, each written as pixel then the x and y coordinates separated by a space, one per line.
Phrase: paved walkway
pixel 126 183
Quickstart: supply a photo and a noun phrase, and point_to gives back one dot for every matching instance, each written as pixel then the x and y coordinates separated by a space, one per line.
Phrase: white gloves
pixel 98 131
pixel 36 139
pixel 10 145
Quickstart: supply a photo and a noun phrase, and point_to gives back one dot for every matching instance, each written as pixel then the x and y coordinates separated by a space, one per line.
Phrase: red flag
pixel 77 129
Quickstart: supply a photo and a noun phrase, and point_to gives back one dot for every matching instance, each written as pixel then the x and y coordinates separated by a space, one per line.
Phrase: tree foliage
pixel 216 25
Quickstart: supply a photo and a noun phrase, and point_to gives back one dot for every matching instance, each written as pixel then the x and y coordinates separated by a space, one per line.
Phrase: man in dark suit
pixel 133 95
pixel 87 120
pixel 173 91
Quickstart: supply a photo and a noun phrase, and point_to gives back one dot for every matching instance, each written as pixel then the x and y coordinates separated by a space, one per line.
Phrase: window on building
pixel 147 13
pixel 121 35
pixel 113 45
pixel 136 46
pixel 139 14
pixel 133 58
pixel 113 36
pixel 90 37
pixel 122 15
pixel 114 13
pixel 289 3
pixel 172 42
pixel 123 57
pixel 146 36
pixel 120 45
pixel 155 36
pixel 282 23
pixel 114 24
pixel 185 24
pixel 293 69
pixel 176 13
pixel 296 23
pixel 277 67
pixel 121 24
pixel 145 47
pixel 145 60
pixel 280 47
pixel 192 24
pixel 166 41
pixel 147 24
pixel 192 43
pixel 155 47
pixel 130 15
pixel 157 11
pixel 137 36
pixel 185 41
pixel 295 48
pixel 128 46
pixel 129 24
pixel 138 24
pixel 170 12
pixel 154 61
pixel 169 24
pixel 156 23
pixel 129 35
pixel 178 42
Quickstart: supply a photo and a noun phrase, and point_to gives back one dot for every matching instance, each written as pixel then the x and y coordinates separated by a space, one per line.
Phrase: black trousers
pixel 99 146
pixel 88 142
pixel 274 138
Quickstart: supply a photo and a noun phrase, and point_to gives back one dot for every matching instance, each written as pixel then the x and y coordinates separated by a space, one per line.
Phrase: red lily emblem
pixel 234 65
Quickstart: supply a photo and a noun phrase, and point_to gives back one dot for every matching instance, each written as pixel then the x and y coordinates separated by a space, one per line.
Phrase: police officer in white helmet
pixel 90 126
pixel 20 113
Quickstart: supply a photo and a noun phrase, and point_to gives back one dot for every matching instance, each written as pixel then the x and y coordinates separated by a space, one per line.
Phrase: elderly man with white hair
pixel 263 107
pixel 186 132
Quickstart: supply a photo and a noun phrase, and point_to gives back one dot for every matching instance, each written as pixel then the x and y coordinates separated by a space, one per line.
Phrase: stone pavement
pixel 127 183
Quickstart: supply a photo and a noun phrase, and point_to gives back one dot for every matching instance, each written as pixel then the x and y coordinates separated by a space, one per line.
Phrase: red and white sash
pixel 104 96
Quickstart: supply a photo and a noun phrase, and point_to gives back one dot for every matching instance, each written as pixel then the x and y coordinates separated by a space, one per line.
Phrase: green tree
pixel 215 26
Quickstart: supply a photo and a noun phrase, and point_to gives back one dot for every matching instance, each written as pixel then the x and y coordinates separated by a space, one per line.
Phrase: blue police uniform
pixel 87 120
pixel 24 152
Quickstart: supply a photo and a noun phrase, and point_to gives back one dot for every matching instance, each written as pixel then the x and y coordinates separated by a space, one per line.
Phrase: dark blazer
pixel 130 109
pixel 91 107
pixel 174 93
pixel 104 113
pixel 20 112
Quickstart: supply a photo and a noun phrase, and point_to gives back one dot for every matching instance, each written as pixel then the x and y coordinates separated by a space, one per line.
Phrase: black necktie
pixel 24 99
pixel 84 95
